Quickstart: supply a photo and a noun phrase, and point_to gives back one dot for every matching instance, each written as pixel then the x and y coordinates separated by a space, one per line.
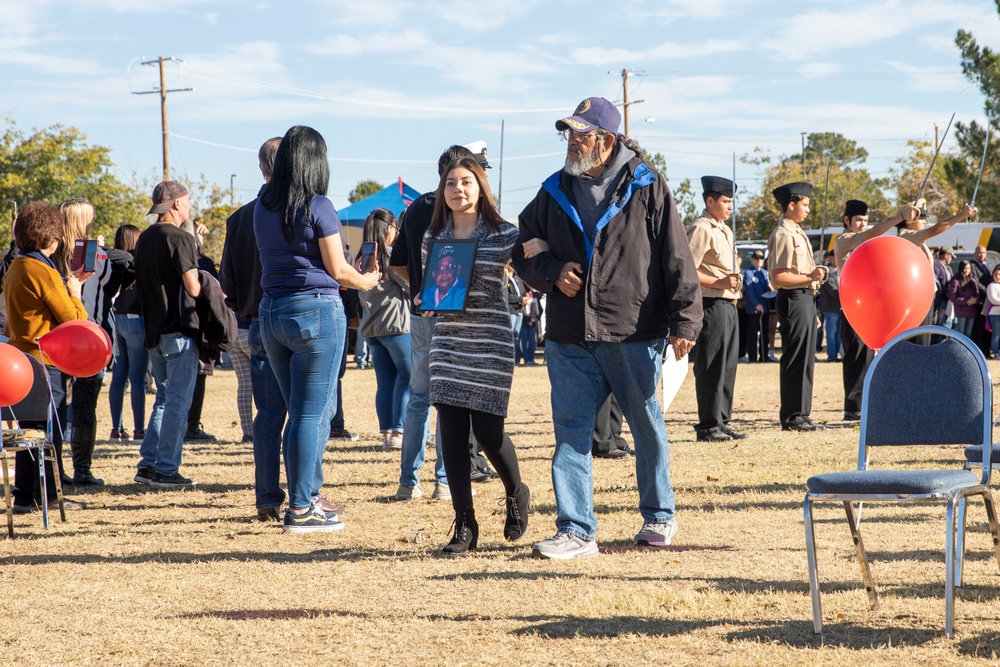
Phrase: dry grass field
pixel 189 578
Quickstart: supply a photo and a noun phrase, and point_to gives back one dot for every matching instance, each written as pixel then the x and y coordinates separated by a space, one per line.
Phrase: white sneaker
pixel 441 491
pixel 656 534
pixel 564 546
pixel 407 492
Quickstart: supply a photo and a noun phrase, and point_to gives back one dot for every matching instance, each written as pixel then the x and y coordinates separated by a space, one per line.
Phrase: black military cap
pixel 855 207
pixel 784 193
pixel 723 186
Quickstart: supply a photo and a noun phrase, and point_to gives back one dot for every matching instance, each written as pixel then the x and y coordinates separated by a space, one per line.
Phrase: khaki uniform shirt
pixel 712 248
pixel 789 248
pixel 845 244
pixel 916 237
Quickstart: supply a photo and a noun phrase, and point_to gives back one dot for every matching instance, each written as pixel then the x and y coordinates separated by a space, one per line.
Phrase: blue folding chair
pixel 916 395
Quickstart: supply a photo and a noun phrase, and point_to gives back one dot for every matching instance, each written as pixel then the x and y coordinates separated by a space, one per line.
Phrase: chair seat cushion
pixel 891 482
pixel 975 454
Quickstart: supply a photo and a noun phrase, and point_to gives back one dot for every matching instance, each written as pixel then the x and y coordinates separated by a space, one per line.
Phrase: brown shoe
pixel 328 507
pixel 68 504
pixel 269 514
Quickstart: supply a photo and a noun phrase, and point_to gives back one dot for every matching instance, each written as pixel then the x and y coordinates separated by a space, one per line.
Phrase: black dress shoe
pixel 714 434
pixel 613 454
pixel 466 534
pixel 799 424
pixel 850 416
pixel 517 513
pixel 731 433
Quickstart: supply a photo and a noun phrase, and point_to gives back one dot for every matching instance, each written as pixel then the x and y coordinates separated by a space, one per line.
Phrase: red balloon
pixel 18 375
pixel 886 288
pixel 79 348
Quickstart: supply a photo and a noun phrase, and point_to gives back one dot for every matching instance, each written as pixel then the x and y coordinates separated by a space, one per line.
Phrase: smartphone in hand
pixel 84 255
pixel 368 257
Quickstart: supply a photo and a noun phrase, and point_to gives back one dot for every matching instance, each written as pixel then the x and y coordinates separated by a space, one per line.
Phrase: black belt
pixel 719 298
pixel 797 290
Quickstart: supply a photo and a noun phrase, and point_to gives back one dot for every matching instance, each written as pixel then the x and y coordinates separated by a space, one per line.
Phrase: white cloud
pixel 480 16
pixel 383 13
pixel 932 79
pixel 379 42
pixel 671 10
pixel 818 70
pixel 665 51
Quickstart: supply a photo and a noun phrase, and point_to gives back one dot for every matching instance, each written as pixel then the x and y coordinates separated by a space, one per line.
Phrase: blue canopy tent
pixel 395 198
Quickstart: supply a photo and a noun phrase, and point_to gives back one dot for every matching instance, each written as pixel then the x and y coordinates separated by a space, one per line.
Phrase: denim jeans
pixel 304 338
pixel 963 325
pixel 390 357
pixel 361 351
pixel 131 363
pixel 175 366
pixel 525 345
pixel 995 336
pixel 831 322
pixel 418 415
pixel 267 424
pixel 582 375
pixel 337 420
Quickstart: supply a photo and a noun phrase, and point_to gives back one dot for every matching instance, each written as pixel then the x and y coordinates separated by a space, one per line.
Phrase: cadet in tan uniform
pixel 857 355
pixel 717 351
pixel 796 277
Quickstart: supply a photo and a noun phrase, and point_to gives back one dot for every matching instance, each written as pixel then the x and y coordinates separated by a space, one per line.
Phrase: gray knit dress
pixel 472 352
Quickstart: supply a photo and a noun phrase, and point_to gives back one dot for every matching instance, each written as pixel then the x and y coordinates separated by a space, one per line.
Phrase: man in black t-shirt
pixel 166 259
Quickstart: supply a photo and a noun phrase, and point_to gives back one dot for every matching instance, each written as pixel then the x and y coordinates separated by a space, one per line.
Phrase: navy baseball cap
pixel 591 114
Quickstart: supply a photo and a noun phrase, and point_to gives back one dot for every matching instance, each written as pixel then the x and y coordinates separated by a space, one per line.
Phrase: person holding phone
pixel 472 351
pixel 385 324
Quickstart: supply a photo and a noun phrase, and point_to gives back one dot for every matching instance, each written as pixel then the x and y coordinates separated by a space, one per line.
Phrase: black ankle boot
pixel 84 439
pixel 517 513
pixel 466 533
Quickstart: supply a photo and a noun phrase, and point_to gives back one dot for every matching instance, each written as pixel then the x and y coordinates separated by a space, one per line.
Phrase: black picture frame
pixel 462 256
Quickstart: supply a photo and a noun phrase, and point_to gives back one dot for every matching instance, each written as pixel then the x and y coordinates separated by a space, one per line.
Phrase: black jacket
pixel 239 271
pixel 406 250
pixel 639 279
pixel 207 320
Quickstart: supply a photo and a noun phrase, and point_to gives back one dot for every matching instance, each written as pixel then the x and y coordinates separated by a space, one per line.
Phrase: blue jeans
pixel 361 351
pixel 995 337
pixel 418 415
pixel 390 356
pixel 963 325
pixel 175 368
pixel 130 366
pixel 304 339
pixel 831 322
pixel 582 375
pixel 267 424
pixel 525 345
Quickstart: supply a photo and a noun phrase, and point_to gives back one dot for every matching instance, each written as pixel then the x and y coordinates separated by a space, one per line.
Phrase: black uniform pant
pixel 857 357
pixel 608 428
pixel 757 345
pixel 797 319
pixel 715 358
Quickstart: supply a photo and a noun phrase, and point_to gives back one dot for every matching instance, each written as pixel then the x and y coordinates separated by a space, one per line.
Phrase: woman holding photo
pixel 472 351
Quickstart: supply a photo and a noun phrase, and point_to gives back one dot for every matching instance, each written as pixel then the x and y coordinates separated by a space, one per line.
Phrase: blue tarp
pixel 395 198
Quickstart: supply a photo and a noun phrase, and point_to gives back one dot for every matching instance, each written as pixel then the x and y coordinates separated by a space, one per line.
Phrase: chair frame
pixel 44 446
pixel 955 497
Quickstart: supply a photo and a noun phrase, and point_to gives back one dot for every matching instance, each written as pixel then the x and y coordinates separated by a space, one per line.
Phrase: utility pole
pixel 627 102
pixel 232 195
pixel 163 106
pixel 803 154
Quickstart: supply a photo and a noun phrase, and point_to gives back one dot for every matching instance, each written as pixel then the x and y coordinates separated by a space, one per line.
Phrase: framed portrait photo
pixel 447 275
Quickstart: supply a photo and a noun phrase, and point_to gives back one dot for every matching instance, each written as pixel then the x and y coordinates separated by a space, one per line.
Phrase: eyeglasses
pixel 569 135
pixel 447 268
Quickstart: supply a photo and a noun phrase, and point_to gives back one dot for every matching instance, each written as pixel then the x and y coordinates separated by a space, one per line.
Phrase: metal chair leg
pixel 991 517
pixel 859 548
pixel 949 568
pixel 6 495
pixel 44 485
pixel 813 572
pixel 960 526
pixel 58 477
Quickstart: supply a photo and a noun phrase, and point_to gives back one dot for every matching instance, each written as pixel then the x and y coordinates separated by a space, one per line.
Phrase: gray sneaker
pixel 564 546
pixel 407 492
pixel 441 491
pixel 656 534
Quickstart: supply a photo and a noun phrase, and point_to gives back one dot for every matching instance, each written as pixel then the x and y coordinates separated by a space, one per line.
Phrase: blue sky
pixel 391 83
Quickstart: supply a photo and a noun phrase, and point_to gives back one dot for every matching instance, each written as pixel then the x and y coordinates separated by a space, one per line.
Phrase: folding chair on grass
pixel 916 395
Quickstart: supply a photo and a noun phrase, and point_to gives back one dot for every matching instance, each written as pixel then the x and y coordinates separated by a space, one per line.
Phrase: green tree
pixel 981 65
pixel 364 188
pixel 55 164
pixel 848 179
pixel 684 196
pixel 211 206
pixel 910 171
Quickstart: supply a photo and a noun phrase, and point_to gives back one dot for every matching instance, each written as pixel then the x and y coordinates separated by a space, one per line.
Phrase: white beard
pixel 584 163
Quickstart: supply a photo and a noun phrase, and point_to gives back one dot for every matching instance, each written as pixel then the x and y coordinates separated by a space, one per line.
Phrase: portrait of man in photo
pixel 446 286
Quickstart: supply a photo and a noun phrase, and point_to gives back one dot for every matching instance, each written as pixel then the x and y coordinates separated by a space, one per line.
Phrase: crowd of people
pixel 448 298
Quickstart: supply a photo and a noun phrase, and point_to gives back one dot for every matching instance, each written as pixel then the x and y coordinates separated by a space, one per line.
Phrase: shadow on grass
pixel 182 558
pixel 571 627
pixel 838 634
pixel 981 646
pixel 274 614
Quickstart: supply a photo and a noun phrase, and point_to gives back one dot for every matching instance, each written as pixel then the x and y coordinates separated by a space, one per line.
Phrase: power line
pixel 162 90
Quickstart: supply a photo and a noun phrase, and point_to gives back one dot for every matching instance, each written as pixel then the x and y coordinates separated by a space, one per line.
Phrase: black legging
pixel 488 428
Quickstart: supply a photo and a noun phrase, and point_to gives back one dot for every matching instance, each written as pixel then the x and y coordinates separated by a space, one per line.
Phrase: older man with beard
pixel 606 244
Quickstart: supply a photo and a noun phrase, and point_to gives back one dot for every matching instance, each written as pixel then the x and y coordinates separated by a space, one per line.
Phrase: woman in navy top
pixel 301 314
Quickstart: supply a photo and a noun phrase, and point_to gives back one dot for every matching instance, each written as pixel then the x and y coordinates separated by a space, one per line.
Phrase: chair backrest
pixel 34 406
pixel 939 394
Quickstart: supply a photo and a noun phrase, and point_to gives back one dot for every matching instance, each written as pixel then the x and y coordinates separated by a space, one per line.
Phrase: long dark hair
pixel 301 171
pixel 963 279
pixel 485 207
pixel 377 226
